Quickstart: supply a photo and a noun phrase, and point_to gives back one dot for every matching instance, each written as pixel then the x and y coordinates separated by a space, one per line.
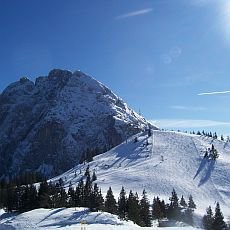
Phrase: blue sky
pixel 158 55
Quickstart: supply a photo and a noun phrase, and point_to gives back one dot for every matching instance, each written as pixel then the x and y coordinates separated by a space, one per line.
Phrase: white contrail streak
pixel 135 13
pixel 213 93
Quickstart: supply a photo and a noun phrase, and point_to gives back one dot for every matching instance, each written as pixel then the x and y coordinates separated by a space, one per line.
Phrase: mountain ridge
pixel 46 125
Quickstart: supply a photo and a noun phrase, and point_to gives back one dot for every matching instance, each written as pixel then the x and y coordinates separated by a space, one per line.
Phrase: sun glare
pixel 225 19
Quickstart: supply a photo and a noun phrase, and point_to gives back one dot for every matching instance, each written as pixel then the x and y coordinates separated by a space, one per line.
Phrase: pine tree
pixel 94 177
pixel 29 198
pixel 215 136
pixel 214 153
pixel 19 198
pixel 71 196
pixel 174 211
pixel 43 195
pixel 92 199
pixel 110 202
pixel 100 201
pixel 188 213
pixel 145 214
pixel 133 208
pixel 87 190
pixel 63 197
pixel 157 209
pixel 183 202
pixel 122 204
pixel 61 182
pixel 163 208
pixel 208 219
pixel 11 198
pixel 59 196
pixel 87 173
pixel 2 196
pixel 25 202
pixel 79 194
pixel 191 203
pixel 218 222
pixel 53 194
pixel 33 197
pixel 96 199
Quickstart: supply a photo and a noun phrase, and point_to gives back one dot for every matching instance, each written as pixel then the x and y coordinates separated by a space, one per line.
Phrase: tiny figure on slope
pixel 162 158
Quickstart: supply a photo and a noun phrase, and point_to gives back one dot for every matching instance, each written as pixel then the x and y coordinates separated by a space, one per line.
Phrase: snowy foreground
pixel 68 219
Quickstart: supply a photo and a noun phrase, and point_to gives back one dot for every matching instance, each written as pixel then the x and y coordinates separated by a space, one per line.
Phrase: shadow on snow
pixel 206 167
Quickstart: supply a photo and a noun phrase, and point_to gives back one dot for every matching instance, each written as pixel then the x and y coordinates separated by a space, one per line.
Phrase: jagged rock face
pixel 47 125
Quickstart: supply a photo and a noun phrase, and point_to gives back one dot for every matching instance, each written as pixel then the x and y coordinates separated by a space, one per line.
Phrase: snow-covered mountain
pixel 48 124
pixel 169 160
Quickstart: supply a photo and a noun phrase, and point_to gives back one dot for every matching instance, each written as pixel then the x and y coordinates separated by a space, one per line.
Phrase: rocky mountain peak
pixel 49 125
pixel 58 75
pixel 22 87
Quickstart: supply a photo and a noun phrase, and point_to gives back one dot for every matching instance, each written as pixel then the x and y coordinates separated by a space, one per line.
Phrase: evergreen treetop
pixel 122 204
pixel 191 203
pixel 183 202
pixel 208 219
pixel 218 222
pixel 110 202
pixel 145 215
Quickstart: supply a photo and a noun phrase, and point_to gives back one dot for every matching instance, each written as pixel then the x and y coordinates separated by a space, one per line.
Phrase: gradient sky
pixel 160 56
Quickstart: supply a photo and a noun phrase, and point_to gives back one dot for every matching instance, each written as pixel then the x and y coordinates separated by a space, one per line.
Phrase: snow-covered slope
pixel 67 219
pixel 47 125
pixel 170 160
pixel 62 218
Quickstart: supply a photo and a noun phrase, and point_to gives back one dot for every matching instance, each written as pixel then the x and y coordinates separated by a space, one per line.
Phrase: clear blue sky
pixel 158 55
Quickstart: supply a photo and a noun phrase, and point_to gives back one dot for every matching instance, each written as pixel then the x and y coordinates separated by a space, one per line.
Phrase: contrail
pixel 213 93
pixel 135 13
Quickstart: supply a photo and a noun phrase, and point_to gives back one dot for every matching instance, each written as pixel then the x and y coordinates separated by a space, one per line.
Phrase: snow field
pixel 67 219
pixel 170 160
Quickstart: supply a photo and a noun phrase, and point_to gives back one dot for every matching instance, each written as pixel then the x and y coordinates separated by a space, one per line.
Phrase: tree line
pixel 22 198
pixel 207 134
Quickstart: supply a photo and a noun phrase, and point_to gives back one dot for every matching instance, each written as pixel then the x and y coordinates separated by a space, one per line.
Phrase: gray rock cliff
pixel 46 126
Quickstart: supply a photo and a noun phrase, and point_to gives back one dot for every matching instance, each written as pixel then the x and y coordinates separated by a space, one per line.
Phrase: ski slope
pixel 170 160
pixel 68 219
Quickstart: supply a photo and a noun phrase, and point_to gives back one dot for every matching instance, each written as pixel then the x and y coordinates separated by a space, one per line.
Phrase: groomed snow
pixel 67 219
